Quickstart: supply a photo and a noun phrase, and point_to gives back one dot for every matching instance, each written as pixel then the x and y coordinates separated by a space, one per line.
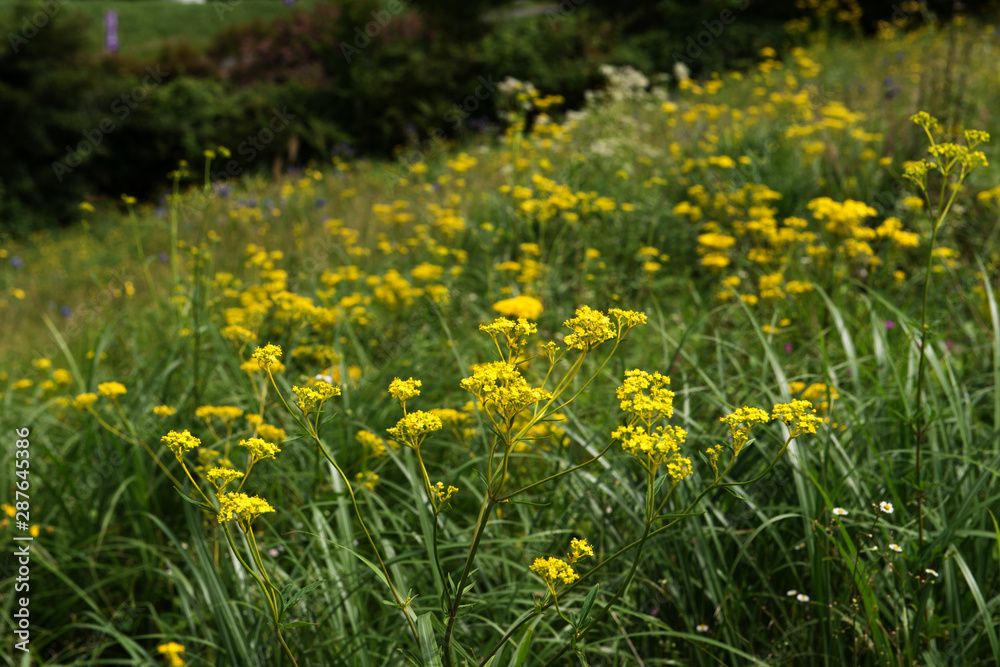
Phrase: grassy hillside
pixel 771 235
pixel 145 25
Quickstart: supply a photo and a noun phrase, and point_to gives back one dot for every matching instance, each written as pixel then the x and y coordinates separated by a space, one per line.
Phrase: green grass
pixel 128 565
pixel 145 25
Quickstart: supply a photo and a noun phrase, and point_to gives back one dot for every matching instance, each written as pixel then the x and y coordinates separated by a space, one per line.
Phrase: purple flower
pixel 164 257
pixel 889 324
pixel 16 262
pixel 788 348
pixel 66 311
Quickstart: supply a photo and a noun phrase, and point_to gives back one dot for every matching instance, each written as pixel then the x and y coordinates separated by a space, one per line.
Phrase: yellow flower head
pixel 414 427
pixel 172 652
pixel 111 389
pixel 443 494
pixel 578 549
pixel 645 395
pixel 310 398
pixel 799 415
pixel 527 307
pixel 268 355
pixel 740 423
pixel 403 390
pixel 370 441
pixel 271 433
pixel 164 411
pixel 222 476
pixel 241 507
pixel 180 442
pixel 514 334
pixel 553 570
pixel 259 449
pixel 500 386
pixel 590 329
pixel 84 401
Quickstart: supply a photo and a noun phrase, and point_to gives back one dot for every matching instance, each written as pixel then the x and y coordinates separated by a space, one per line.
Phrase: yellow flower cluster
pixel 268 355
pixel 590 329
pixel 514 334
pixel 259 449
pixel 740 423
pixel 414 427
pixel 312 397
pixel 403 390
pixel 555 570
pixel 372 442
pixel 526 307
pixel 799 415
pixel 226 413
pixel 443 494
pixel 180 442
pixel 111 389
pixel 241 507
pixel 222 476
pixel 164 411
pixel 645 395
pixel 659 447
pixel 172 652
pixel 500 386
pixel 84 401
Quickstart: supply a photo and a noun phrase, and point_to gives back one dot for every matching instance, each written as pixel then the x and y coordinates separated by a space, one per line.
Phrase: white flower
pixel 802 597
pixel 885 507
pixel 895 547
pixel 931 572
pixel 799 545
pixel 701 628
pixel 791 592
pixel 840 511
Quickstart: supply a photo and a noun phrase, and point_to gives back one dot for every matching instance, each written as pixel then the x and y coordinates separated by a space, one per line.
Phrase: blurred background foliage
pixel 229 64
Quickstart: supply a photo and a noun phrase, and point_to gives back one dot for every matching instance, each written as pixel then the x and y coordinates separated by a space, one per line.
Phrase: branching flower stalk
pixel 954 162
pixel 311 399
pixel 504 395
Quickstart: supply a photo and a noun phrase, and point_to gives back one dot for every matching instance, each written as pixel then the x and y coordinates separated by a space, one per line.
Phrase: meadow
pixel 702 373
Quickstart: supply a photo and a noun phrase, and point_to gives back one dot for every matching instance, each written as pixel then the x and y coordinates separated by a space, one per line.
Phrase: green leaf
pixel 587 604
pixel 678 516
pixel 304 591
pixel 522 652
pixel 658 484
pixel 295 624
pixel 372 566
pixel 196 503
pixel 732 492
pixel 429 649
pixel 528 502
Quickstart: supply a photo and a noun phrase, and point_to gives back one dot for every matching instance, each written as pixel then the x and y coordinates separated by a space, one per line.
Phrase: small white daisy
pixel 885 507
pixel 895 547
pixel 802 597
pixel 701 628
pixel 325 378
pixel 799 545
pixel 840 511
pixel 931 572
pixel 791 592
